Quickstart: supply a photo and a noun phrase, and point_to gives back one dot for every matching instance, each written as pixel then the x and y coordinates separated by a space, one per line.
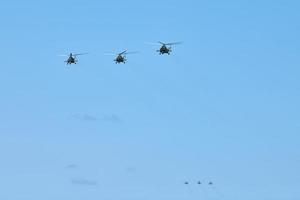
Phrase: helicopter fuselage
pixel 164 50
pixel 120 59
pixel 71 60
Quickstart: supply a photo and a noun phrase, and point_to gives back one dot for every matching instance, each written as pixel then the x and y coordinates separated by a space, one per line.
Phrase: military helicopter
pixel 166 48
pixel 121 57
pixel 72 58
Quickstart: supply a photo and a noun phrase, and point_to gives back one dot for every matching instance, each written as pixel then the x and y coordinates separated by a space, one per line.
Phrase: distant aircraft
pixel 121 57
pixel 72 58
pixel 166 48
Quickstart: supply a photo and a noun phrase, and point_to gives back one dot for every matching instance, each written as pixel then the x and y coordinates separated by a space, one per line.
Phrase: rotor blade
pixel 79 54
pixel 123 52
pixel 131 52
pixel 63 55
pixel 173 43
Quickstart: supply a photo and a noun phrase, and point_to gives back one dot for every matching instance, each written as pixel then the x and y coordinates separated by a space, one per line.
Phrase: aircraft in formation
pixel 72 58
pixel 166 48
pixel 199 183
pixel 121 57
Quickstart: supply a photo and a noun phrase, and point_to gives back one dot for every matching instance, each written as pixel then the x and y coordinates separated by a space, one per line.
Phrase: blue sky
pixel 224 107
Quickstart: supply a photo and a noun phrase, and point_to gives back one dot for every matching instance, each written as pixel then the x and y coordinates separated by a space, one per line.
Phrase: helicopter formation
pixel 198 182
pixel 166 48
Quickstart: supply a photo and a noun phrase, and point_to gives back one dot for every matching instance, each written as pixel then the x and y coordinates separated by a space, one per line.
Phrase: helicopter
pixel 121 57
pixel 166 48
pixel 72 58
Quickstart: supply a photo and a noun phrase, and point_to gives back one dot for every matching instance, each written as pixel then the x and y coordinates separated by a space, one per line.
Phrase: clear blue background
pixel 224 107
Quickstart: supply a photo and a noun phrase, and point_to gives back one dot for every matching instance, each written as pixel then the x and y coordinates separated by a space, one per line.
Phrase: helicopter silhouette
pixel 72 58
pixel 166 48
pixel 199 183
pixel 121 57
